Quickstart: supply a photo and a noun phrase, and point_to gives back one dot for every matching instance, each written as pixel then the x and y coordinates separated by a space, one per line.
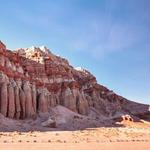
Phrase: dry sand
pixel 123 138
pixel 78 146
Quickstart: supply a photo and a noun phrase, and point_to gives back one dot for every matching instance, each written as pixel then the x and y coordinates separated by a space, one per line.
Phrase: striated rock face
pixel 33 80
pixel 11 99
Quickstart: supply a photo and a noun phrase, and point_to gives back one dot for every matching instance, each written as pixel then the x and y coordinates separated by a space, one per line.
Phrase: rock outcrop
pixel 33 80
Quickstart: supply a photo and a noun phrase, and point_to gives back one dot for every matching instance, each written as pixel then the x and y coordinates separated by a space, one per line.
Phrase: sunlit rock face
pixel 33 80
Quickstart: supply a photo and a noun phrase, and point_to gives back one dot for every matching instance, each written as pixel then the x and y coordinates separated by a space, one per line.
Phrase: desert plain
pixel 129 137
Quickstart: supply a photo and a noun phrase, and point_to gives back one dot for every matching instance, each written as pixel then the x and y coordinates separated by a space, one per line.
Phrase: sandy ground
pixel 80 146
pixel 90 139
pixel 82 133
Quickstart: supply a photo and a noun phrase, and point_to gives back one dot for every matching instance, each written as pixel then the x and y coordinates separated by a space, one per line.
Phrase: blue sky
pixel 111 38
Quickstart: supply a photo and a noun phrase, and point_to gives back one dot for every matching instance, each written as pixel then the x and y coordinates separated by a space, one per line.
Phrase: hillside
pixel 34 80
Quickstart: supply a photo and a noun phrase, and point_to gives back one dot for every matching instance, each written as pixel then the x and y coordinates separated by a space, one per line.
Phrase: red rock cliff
pixel 33 79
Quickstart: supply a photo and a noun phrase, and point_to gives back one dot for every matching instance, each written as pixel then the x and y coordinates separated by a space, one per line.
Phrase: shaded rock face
pixel 33 80
pixel 11 99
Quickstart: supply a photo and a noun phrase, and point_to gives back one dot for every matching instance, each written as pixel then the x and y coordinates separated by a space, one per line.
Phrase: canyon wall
pixel 33 80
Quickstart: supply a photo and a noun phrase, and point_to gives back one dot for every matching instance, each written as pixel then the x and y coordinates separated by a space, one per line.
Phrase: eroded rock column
pixel 43 101
pixel 68 99
pixel 4 99
pixel 34 97
pixel 3 93
pixel 17 99
pixel 22 103
pixel 82 104
pixel 29 110
pixel 11 99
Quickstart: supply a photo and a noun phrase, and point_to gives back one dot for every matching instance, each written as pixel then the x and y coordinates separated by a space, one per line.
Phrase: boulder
pixel 51 123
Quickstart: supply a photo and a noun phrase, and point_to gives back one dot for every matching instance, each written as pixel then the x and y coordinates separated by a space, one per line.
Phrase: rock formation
pixel 32 80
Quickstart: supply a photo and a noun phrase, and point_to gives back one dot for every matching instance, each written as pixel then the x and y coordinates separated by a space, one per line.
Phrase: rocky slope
pixel 33 80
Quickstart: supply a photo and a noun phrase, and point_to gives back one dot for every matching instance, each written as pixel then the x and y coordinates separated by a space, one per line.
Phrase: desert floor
pixel 111 138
